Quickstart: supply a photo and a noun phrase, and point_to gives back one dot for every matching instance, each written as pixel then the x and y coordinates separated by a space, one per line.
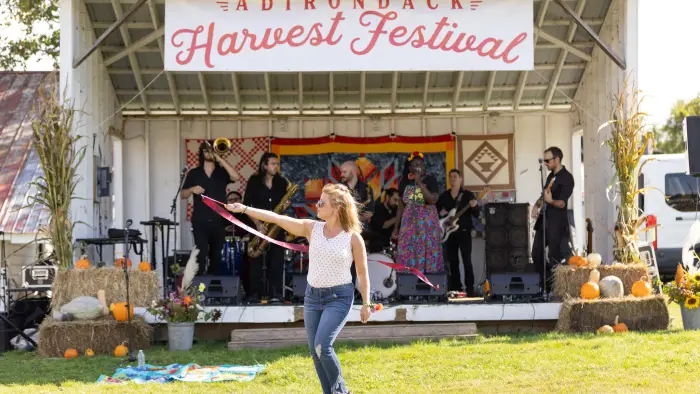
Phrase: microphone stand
pixel 131 355
pixel 543 214
pixel 173 211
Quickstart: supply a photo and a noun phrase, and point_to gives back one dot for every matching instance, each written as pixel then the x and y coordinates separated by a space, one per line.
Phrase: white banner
pixel 348 35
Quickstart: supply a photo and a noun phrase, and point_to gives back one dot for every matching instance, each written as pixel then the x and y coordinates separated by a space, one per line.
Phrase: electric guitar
pixel 449 224
pixel 540 205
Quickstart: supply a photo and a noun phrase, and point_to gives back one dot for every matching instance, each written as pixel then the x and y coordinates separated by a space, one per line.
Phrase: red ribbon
pixel 217 206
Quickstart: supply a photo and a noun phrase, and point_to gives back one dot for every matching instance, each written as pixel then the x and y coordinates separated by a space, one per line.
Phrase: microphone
pixel 539 160
pixel 184 171
pixel 129 222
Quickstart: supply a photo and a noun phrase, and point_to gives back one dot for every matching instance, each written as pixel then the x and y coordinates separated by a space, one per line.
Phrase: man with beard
pixel 383 221
pixel 208 227
pixel 265 190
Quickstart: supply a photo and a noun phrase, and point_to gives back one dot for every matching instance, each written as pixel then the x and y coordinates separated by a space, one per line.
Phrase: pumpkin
pixel 119 263
pixel 89 352
pixel 619 327
pixel 594 260
pixel 606 329
pixel 144 266
pixel 578 261
pixel 121 350
pixel 83 263
pixel 590 290
pixel 119 311
pixel 641 288
pixel 611 287
pixel 70 353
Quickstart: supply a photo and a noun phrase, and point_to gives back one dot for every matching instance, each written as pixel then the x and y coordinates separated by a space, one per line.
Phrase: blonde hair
pixel 341 198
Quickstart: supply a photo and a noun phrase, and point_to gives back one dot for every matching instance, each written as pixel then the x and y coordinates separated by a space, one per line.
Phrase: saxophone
pixel 257 245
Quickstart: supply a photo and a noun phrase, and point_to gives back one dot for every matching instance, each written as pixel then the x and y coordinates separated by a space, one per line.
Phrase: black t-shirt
pixel 363 196
pixel 429 181
pixel 446 202
pixel 562 188
pixel 381 215
pixel 258 195
pixel 214 187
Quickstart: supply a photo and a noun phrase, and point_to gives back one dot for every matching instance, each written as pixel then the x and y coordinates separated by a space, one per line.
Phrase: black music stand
pixel 545 252
pixel 131 356
pixel 165 246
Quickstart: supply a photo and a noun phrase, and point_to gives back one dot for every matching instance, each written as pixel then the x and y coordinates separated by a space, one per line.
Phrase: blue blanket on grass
pixel 183 373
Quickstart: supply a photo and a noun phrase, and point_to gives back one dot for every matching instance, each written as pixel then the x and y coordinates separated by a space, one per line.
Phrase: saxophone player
pixel 265 190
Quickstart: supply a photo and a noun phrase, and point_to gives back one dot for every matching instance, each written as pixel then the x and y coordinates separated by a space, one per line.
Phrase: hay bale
pixel 568 280
pixel 143 286
pixel 639 313
pixel 101 335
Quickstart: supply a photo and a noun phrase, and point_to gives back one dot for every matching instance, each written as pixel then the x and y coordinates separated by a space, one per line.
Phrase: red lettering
pixel 337 4
pixel 516 41
pixel 360 2
pixel 242 3
pixel 456 4
pixel 266 8
pixel 431 41
pixel 491 52
pixel 430 5
pixel 383 6
pixel 189 52
pixel 289 5
pixel 389 16
pixel 408 4
pixel 309 3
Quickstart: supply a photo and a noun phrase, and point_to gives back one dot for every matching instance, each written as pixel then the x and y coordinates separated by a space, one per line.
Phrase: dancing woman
pixel 333 245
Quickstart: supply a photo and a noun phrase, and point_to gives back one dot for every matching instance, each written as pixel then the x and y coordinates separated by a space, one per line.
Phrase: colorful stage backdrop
pixel 244 155
pixel 313 162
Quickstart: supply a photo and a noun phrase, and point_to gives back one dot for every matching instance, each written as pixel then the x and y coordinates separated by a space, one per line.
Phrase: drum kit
pixel 382 279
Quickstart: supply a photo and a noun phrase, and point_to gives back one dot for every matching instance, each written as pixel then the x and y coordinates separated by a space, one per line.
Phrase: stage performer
pixel 334 243
pixel 383 221
pixel 265 190
pixel 460 240
pixel 418 225
pixel 210 178
pixel 558 189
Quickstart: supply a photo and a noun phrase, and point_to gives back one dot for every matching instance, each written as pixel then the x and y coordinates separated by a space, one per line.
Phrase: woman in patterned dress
pixel 418 227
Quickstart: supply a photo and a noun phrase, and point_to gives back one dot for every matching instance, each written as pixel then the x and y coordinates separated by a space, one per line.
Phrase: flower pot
pixel 180 336
pixel 691 318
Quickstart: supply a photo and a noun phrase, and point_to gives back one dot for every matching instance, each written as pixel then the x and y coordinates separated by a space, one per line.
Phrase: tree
pixel 39 32
pixel 670 136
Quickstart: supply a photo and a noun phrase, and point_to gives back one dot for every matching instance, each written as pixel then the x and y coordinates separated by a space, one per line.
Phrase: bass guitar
pixel 449 224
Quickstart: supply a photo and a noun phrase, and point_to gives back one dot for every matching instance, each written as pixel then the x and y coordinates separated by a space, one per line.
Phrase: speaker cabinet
pixel 219 290
pixel 691 134
pixel 410 286
pixel 507 237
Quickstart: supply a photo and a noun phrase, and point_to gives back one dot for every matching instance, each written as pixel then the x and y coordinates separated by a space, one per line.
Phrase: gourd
pixel 144 266
pixel 121 350
pixel 590 290
pixel 83 263
pixel 641 288
pixel 119 311
pixel 103 301
pixel 119 263
pixel 89 352
pixel 606 329
pixel 83 308
pixel 611 287
pixel 70 353
pixel 578 261
pixel 619 327
pixel 594 260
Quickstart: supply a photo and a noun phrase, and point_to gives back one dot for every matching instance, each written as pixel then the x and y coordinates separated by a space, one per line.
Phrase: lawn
pixel 526 363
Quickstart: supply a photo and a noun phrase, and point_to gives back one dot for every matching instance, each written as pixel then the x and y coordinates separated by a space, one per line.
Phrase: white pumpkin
pixel 611 287
pixel 83 308
pixel 594 260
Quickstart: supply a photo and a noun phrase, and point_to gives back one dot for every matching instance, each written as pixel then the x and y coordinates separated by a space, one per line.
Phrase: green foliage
pixel 670 135
pixel 38 21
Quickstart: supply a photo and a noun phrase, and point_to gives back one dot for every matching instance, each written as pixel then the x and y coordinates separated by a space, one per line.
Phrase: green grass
pixel 639 363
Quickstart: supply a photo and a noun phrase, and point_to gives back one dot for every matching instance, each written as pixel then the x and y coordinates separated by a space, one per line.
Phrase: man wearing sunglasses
pixel 554 211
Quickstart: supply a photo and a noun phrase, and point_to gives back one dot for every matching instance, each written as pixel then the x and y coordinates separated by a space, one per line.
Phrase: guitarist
pixel 558 189
pixel 461 240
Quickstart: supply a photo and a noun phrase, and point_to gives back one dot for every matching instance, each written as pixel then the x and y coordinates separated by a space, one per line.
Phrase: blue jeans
pixel 325 312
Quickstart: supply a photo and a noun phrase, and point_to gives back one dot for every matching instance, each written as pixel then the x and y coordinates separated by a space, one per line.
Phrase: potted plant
pixel 685 291
pixel 181 310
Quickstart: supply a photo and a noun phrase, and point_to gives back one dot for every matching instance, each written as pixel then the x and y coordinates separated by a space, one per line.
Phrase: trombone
pixel 221 145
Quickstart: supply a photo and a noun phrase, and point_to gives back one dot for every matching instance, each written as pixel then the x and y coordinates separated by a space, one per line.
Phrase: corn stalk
pixel 60 157
pixel 628 143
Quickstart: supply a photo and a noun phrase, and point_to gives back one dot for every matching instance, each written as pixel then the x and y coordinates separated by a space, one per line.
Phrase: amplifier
pixel 38 276
pixel 408 285
pixel 515 283
pixel 299 286
pixel 219 290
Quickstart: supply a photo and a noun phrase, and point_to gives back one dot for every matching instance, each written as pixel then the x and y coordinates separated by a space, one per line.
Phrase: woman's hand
pixel 365 312
pixel 236 207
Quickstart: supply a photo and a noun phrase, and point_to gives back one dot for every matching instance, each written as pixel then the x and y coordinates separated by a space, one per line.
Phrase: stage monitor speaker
pixel 526 283
pixel 507 237
pixel 219 290
pixel 408 285
pixel 299 286
pixel 691 134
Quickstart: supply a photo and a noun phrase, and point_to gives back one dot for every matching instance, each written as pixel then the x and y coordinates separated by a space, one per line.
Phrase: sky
pixel 668 57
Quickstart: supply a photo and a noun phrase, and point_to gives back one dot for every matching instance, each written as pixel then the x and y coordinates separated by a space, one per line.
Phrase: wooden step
pixel 400 333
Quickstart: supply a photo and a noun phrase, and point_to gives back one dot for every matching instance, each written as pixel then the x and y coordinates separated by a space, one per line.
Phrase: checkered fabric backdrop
pixel 245 155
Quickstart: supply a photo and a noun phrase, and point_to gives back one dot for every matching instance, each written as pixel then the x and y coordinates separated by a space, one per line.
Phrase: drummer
pixel 231 230
pixel 383 221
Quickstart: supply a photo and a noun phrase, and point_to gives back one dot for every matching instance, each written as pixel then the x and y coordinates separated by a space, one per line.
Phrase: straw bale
pixel 568 280
pixel 638 313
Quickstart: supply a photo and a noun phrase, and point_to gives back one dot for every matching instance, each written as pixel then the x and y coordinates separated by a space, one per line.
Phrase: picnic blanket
pixel 183 373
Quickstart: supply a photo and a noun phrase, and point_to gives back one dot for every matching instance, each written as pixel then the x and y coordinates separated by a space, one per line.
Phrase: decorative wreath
pixel 414 155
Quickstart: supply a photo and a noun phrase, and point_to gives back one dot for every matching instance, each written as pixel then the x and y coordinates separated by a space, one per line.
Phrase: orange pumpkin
pixel 83 263
pixel 641 288
pixel 119 311
pixel 119 263
pixel 619 327
pixel 578 261
pixel 144 266
pixel 121 350
pixel 89 353
pixel 70 353
pixel 590 290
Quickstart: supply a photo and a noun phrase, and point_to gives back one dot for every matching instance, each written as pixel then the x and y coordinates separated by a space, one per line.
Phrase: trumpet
pixel 222 145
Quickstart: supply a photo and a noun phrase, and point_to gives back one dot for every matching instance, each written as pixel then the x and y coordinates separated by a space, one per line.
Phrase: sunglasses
pixel 320 204
pixel 548 160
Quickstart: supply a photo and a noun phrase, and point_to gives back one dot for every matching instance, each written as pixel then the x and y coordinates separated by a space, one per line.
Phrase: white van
pixel 675 216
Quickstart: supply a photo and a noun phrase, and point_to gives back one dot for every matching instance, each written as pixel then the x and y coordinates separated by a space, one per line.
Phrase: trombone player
pixel 210 178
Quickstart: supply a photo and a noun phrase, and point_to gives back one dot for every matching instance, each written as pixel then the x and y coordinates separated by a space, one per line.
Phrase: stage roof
pixel 134 57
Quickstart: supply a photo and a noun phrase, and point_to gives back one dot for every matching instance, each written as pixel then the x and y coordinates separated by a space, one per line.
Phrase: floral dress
pixel 419 236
